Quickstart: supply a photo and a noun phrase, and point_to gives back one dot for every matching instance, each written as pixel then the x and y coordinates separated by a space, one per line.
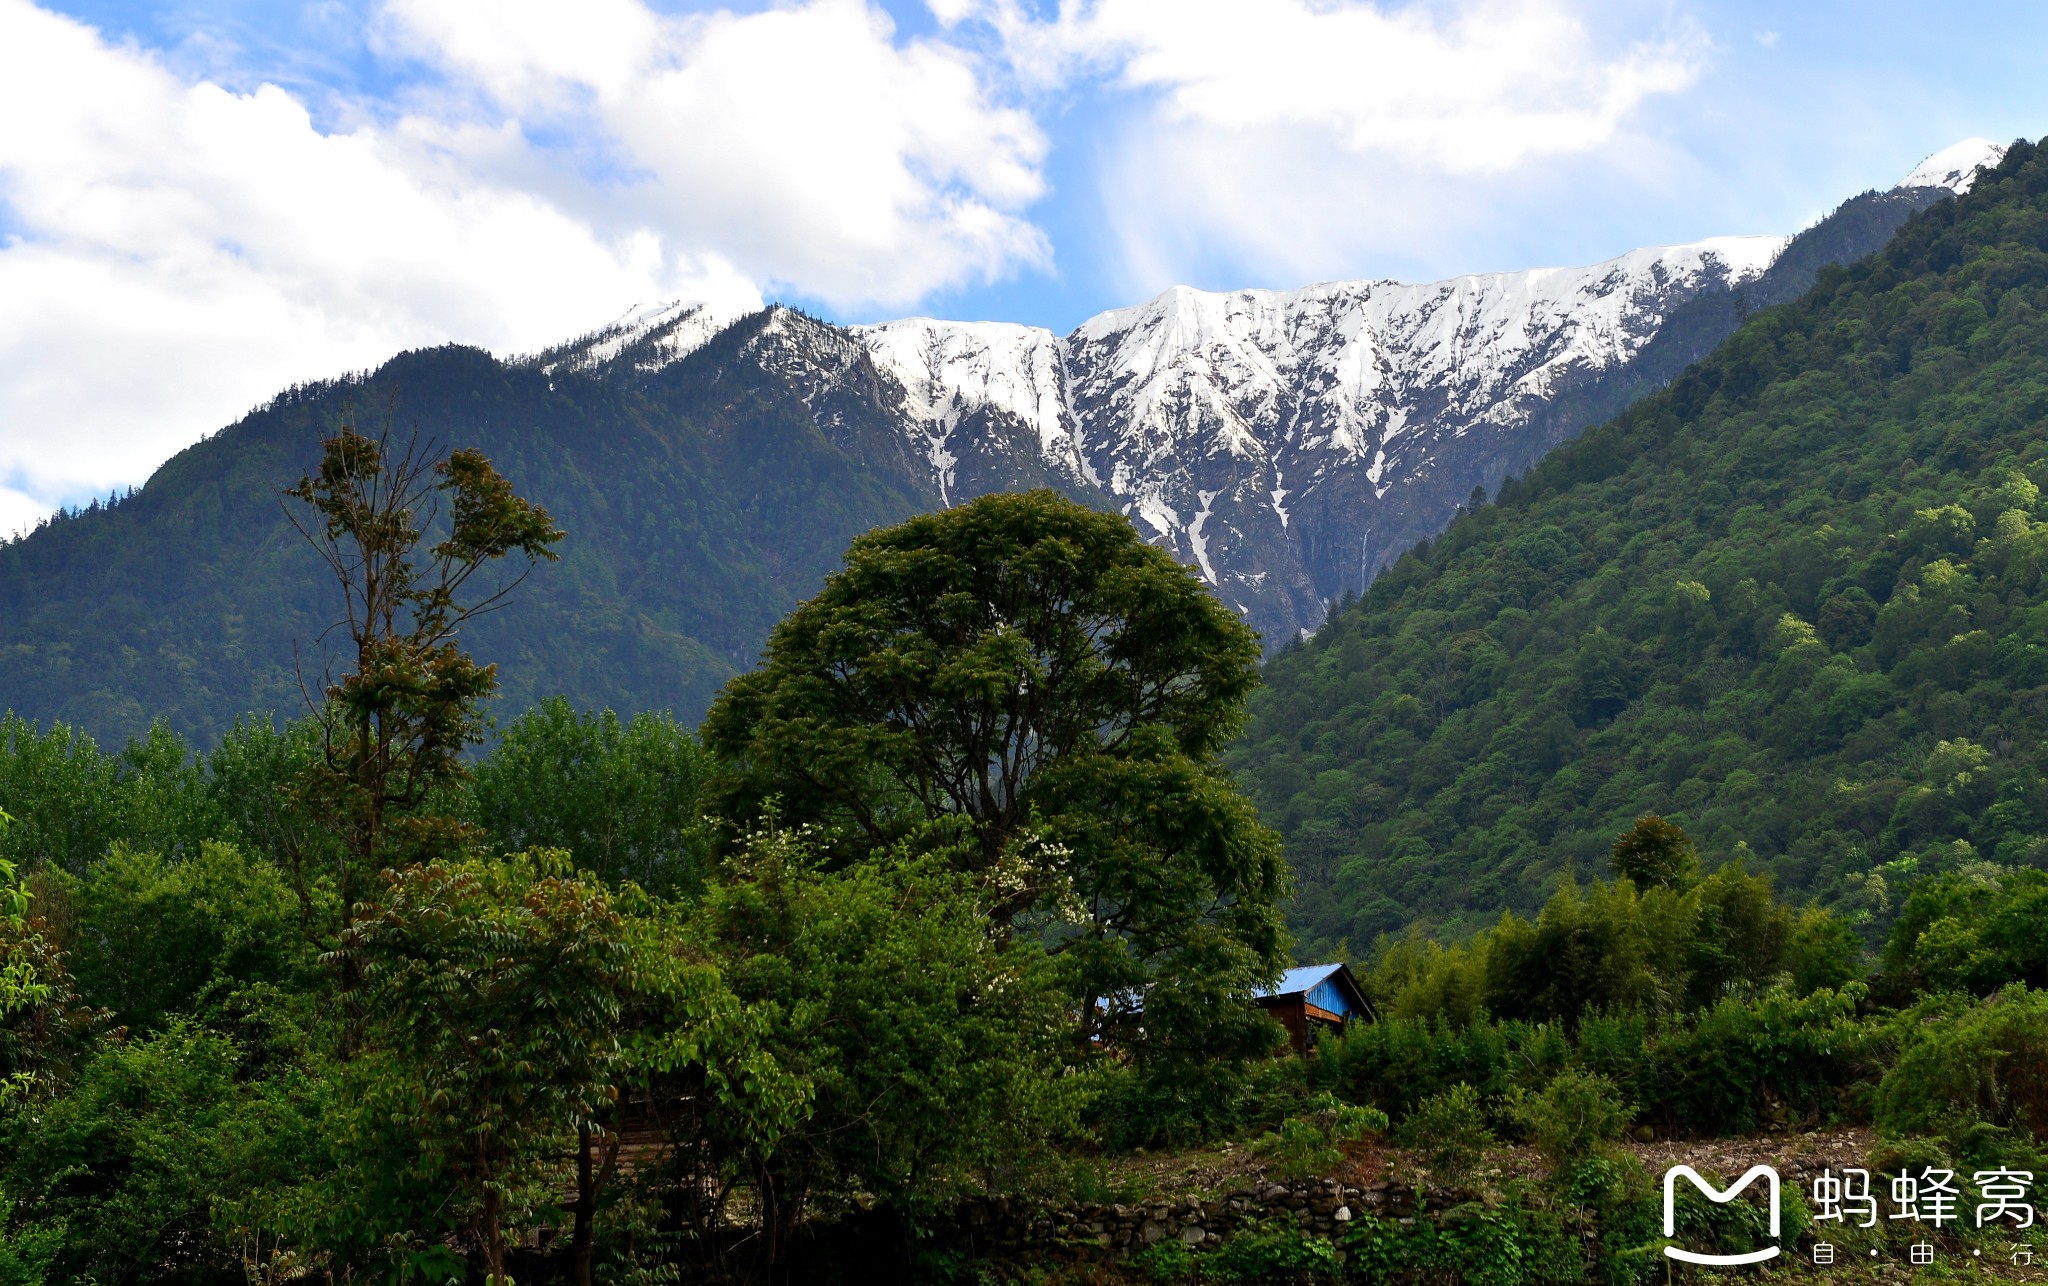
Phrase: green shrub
pixel 1094 1185
pixel 1449 1131
pixel 1572 1117
pixel 1168 1260
pixel 1398 1062
pixel 1627 1212
pixel 1985 1065
pixel 26 1253
pixel 1273 1256
pixel 1313 1143
pixel 133 1161
pixel 1174 1107
pixel 1799 1052
pixel 158 937
pixel 1973 932
pixel 1509 1245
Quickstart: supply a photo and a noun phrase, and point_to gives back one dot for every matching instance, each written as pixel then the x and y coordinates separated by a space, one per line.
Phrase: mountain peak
pixel 1955 167
pixel 653 334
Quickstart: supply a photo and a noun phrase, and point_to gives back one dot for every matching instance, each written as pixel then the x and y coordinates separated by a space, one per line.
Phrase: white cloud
pixel 176 252
pixel 805 142
pixel 1470 87
pixel 19 512
pixel 1284 140
pixel 1488 86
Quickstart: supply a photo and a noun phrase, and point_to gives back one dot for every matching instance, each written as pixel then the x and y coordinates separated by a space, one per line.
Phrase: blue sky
pixel 203 201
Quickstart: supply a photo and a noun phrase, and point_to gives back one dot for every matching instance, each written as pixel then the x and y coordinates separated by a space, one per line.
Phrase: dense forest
pixel 952 902
pixel 705 508
pixel 1794 602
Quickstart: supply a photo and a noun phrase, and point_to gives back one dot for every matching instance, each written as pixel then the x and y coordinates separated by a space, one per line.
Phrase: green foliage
pixel 1396 1063
pixel 1573 1117
pixel 71 800
pixel 1655 853
pixel 1449 1131
pixel 26 1251
pixel 1166 1260
pixel 1777 1060
pixel 1973 931
pixel 1791 603
pixel 621 797
pixel 130 1160
pixel 44 1028
pixel 915 1052
pixel 1512 1244
pixel 1186 1104
pixel 1312 1144
pixel 1275 1255
pixel 1626 1210
pixel 1023 684
pixel 1966 1066
pixel 257 782
pixel 1651 948
pixel 491 991
pixel 158 938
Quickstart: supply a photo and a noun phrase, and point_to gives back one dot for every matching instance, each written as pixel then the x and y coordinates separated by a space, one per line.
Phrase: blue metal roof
pixel 1304 978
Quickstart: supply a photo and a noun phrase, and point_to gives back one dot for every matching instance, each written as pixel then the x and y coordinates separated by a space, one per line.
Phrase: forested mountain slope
pixel 696 518
pixel 1795 602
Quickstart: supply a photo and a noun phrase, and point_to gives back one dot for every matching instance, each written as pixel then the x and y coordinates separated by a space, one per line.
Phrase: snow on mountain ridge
pixel 665 332
pixel 1955 167
pixel 949 369
pixel 1226 406
pixel 1213 418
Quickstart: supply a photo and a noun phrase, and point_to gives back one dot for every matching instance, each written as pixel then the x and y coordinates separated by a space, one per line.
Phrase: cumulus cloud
pixel 1474 88
pixel 1272 138
pixel 172 252
pixel 805 142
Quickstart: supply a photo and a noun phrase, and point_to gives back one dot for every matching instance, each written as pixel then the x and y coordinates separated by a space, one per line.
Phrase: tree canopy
pixel 1024 682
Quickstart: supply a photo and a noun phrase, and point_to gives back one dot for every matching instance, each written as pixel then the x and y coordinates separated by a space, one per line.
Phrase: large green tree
pixel 492 994
pixel 1024 682
pixel 397 718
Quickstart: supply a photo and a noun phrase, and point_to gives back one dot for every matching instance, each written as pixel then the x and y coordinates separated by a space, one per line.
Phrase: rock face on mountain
pixel 1288 444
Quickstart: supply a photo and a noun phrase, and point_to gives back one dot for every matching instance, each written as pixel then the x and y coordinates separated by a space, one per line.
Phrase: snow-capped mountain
pixel 1955 167
pixel 655 334
pixel 1288 444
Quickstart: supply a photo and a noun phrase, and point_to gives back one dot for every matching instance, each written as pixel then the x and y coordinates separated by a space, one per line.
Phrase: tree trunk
pixel 494 1238
pixel 586 1207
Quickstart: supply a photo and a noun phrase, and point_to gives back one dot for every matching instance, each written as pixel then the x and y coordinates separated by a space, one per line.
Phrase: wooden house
pixel 1312 999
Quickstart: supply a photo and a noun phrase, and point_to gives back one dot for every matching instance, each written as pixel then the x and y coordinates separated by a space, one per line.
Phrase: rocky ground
pixel 1198 1194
